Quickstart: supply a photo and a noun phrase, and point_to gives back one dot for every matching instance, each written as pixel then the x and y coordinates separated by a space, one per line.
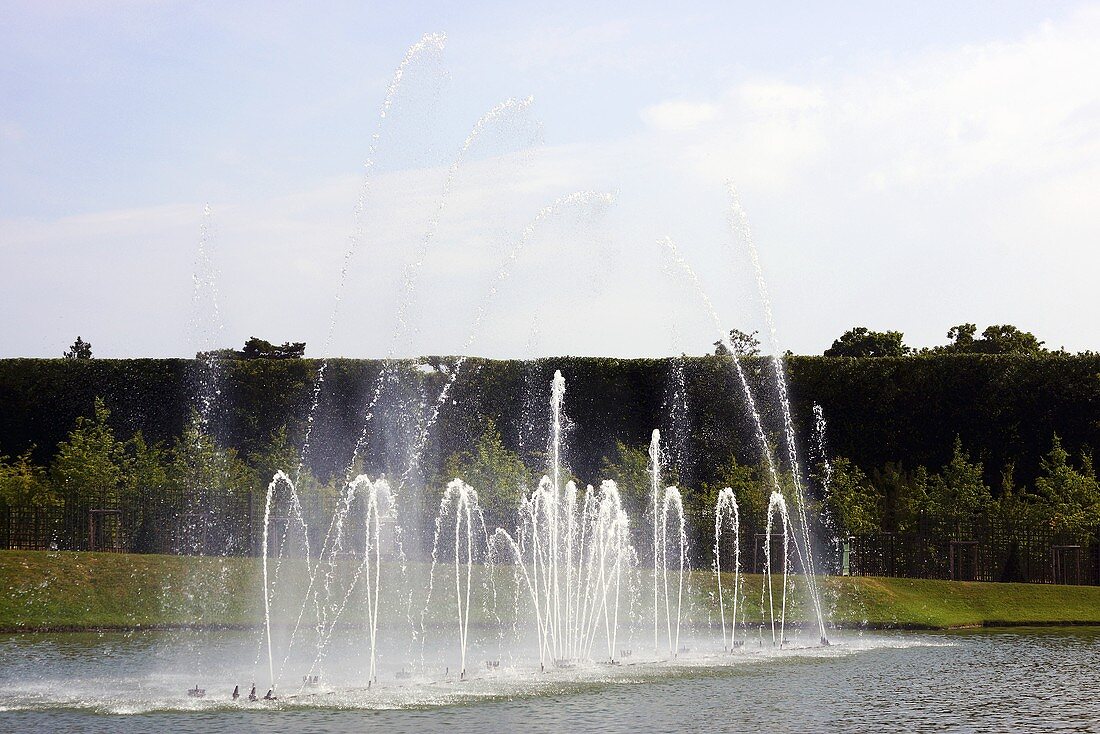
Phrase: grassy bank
pixel 42 590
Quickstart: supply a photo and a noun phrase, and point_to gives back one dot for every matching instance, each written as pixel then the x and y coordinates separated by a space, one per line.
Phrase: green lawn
pixel 42 590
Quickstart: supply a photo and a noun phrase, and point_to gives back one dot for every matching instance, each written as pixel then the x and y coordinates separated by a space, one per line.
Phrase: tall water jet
pixel 676 437
pixel 494 116
pixel 655 498
pixel 673 503
pixel 429 42
pixel 206 319
pixel 727 518
pixel 819 457
pixel 460 506
pixel 761 434
pixel 739 223
pixel 820 453
pixel 572 555
pixel 776 506
pixel 376 500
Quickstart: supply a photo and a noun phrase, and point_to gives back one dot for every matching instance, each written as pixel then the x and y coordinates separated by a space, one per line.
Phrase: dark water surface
pixel 1030 680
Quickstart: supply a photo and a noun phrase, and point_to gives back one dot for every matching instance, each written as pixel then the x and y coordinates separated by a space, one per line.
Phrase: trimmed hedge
pixel 908 409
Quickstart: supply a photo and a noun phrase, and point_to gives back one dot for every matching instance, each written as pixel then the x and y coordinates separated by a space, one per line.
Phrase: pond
pixel 1038 679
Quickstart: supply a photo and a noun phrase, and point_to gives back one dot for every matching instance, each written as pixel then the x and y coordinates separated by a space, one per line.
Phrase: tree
pixel 860 341
pixel 958 493
pixel 24 485
pixel 498 475
pixel 904 495
pixel 628 467
pixel 92 464
pixel 79 350
pixel 205 477
pixel 996 339
pixel 963 337
pixel 1073 496
pixel 749 486
pixel 256 348
pixel 1007 339
pixel 277 455
pixel 259 349
pixel 853 503
pixel 744 344
pixel 144 490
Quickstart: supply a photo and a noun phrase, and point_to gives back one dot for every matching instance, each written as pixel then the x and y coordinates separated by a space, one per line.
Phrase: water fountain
pixel 673 506
pixel 777 506
pixel 570 553
pixel 727 518
pixel 459 509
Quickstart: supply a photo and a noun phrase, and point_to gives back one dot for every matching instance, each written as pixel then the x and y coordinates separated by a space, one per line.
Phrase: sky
pixel 534 178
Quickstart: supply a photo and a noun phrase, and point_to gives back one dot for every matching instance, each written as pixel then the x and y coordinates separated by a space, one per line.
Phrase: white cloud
pixel 1030 106
pixel 678 116
pixel 971 170
pixel 778 98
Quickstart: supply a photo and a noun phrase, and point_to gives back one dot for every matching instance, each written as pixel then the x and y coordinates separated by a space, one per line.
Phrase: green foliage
pixel 750 486
pixel 1073 495
pixel 279 454
pixel 1005 408
pixel 860 341
pixel 853 503
pixel 744 344
pixel 200 468
pixel 959 494
pixel 79 350
pixel 628 467
pixel 498 475
pixel 144 489
pixel 24 485
pixel 996 339
pixel 1017 507
pixel 904 495
pixel 256 348
pixel 92 463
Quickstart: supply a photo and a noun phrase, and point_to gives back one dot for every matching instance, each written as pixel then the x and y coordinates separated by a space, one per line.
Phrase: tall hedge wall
pixel 908 409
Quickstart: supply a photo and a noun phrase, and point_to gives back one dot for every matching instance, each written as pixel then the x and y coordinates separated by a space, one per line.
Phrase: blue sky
pixel 904 165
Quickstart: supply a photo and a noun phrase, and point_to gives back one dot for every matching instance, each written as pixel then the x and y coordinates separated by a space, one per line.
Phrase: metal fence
pixel 207 523
pixel 979 551
pixel 982 550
